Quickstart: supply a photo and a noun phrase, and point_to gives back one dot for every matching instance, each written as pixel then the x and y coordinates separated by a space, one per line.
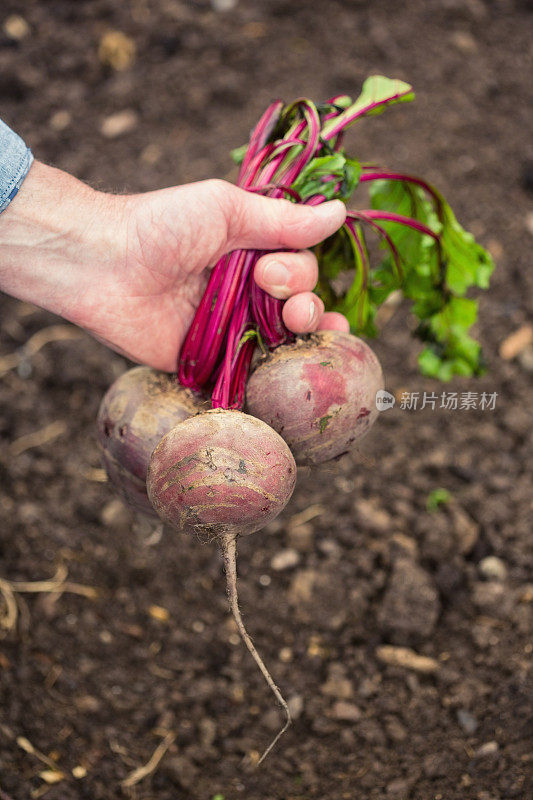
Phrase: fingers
pixel 293 276
pixel 302 312
pixel 285 274
pixel 264 223
pixel 333 321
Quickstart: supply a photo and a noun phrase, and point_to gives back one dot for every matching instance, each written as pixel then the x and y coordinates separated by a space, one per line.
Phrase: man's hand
pixel 132 269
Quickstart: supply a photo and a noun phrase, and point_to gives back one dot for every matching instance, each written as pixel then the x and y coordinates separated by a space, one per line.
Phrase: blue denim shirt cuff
pixel 15 161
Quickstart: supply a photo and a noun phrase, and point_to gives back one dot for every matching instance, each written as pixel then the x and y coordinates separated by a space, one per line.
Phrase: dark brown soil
pixel 98 683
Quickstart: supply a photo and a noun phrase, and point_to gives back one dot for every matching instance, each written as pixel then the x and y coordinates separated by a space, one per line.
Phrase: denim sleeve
pixel 15 161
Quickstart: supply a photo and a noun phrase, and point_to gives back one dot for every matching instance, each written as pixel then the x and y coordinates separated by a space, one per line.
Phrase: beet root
pixel 138 409
pixel 219 473
pixel 319 394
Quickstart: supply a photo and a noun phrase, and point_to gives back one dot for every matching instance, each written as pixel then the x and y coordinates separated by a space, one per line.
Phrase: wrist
pixel 52 236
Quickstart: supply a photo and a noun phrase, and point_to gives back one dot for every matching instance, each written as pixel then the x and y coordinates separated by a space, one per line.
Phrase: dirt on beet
pixel 395 618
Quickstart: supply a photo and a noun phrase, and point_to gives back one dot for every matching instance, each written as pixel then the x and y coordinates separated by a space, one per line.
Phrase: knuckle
pixel 229 204
pixel 294 226
pixel 218 186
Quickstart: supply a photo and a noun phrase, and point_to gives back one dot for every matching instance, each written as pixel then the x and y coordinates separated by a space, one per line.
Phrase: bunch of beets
pixel 180 445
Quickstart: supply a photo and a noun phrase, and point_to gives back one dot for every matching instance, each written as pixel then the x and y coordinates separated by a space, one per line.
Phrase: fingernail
pixel 312 314
pixel 277 276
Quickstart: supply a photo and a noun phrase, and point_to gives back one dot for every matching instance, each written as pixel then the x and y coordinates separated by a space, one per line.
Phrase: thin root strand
pixel 229 553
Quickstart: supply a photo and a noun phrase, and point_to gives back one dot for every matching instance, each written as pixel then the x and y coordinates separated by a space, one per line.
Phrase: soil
pixel 357 566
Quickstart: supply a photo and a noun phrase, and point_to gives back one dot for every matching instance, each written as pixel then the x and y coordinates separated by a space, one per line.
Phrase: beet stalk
pixel 296 150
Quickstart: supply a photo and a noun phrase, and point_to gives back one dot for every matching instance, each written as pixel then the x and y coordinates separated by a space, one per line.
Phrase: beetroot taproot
pixel 135 413
pixel 318 393
pixel 220 475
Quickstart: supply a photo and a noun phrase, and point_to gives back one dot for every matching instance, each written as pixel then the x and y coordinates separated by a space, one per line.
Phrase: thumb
pixel 266 223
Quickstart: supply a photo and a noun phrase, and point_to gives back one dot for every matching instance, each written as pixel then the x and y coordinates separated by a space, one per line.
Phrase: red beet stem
pixel 219 345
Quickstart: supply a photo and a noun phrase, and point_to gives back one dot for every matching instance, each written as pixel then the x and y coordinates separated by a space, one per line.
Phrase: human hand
pixel 132 269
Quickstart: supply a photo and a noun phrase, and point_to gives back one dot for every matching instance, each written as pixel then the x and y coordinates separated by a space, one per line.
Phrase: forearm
pixel 55 237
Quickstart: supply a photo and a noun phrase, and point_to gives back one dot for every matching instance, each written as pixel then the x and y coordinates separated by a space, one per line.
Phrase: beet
pixel 318 394
pixel 136 412
pixel 221 475
pixel 220 472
